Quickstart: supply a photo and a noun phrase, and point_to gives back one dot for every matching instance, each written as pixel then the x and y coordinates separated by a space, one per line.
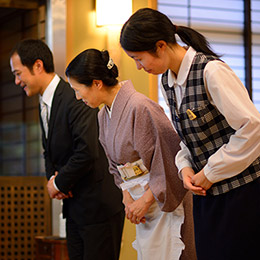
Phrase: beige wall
pixel 82 33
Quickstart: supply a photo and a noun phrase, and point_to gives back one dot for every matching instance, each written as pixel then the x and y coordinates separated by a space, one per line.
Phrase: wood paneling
pixel 22 155
pixel 25 212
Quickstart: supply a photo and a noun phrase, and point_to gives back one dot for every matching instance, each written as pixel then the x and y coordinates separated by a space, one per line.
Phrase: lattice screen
pixel 25 212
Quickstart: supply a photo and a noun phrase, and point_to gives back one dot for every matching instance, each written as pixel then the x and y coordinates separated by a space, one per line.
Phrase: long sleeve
pixel 82 123
pixel 183 158
pixel 232 100
pixel 103 129
pixel 157 144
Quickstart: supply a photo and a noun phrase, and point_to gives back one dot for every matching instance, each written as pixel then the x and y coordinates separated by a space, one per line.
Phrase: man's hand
pixel 61 196
pixel 50 187
pixel 53 192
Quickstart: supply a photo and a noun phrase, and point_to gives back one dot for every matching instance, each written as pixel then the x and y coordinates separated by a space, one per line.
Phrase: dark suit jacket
pixel 73 149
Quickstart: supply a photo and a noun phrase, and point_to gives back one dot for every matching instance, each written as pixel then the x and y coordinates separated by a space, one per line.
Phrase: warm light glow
pixel 112 12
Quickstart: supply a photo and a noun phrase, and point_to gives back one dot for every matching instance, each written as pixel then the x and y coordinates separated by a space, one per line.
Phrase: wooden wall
pixel 20 146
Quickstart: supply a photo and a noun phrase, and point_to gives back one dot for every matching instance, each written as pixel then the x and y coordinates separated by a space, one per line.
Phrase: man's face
pixel 25 78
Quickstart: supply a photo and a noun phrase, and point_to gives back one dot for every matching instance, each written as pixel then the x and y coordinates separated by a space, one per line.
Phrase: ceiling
pixel 22 4
pixel 8 7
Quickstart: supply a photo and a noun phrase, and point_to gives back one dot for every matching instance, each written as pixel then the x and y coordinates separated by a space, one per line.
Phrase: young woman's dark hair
pixel 148 26
pixel 92 65
pixel 30 50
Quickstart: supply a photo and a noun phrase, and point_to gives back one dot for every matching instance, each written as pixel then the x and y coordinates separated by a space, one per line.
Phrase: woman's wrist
pixel 148 197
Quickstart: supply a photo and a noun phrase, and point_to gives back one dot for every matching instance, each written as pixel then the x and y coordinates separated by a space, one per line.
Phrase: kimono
pixel 139 129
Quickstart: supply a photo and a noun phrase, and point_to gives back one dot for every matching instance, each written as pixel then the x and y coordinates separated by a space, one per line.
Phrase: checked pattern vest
pixel 206 133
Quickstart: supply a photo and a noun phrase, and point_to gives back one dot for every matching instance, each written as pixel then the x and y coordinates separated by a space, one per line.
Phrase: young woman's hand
pixel 201 180
pixel 188 182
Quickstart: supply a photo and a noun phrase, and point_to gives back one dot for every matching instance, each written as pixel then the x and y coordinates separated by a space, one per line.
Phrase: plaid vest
pixel 205 129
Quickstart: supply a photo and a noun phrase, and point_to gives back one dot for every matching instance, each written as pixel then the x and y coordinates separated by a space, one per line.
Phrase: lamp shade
pixel 113 12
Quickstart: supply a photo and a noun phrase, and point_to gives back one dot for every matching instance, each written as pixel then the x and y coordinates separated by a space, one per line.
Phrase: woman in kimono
pixel 219 127
pixel 141 145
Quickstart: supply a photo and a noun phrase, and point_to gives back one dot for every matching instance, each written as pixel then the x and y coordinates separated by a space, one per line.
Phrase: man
pixel 76 165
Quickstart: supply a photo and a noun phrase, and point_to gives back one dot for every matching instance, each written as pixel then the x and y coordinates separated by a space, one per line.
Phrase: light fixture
pixel 113 12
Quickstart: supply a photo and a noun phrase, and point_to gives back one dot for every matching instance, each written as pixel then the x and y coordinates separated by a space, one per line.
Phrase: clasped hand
pixel 135 210
pixel 197 183
pixel 54 193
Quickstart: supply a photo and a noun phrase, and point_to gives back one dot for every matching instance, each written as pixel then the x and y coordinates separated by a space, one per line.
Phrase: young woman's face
pixel 89 95
pixel 154 64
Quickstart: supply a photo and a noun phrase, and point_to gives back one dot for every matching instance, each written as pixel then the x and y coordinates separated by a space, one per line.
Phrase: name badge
pixel 190 114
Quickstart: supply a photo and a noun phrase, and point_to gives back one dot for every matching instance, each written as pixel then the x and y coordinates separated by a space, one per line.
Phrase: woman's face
pixel 89 95
pixel 154 64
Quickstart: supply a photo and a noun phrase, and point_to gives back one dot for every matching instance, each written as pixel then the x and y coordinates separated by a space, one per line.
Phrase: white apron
pixel 160 237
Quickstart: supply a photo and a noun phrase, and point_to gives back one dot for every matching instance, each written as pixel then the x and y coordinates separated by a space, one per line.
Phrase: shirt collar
pixel 49 91
pixel 109 110
pixel 184 69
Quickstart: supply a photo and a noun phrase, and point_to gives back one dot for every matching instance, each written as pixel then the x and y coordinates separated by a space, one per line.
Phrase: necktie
pixel 44 115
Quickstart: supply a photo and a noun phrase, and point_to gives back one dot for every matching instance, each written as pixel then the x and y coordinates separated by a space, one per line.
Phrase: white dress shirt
pixel 227 93
pixel 48 94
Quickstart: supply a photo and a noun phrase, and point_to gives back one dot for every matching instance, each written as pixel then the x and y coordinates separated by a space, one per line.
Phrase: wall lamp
pixel 113 12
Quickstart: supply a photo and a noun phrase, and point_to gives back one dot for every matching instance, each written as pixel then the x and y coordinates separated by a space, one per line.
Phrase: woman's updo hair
pixel 93 64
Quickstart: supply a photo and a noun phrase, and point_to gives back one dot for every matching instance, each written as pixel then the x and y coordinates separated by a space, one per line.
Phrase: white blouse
pixel 229 95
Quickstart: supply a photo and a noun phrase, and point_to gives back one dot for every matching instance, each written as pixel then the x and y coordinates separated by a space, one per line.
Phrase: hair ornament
pixel 110 64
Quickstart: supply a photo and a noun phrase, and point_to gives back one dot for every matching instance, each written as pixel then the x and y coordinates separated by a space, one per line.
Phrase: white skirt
pixel 160 237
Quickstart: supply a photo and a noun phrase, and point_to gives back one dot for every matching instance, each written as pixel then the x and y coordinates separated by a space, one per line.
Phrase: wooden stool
pixel 51 248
